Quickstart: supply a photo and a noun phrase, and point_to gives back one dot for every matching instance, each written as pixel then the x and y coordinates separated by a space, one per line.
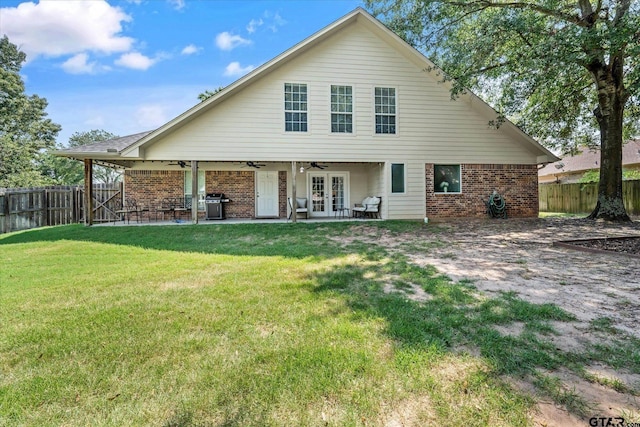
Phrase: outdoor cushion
pixel 301 202
pixel 373 204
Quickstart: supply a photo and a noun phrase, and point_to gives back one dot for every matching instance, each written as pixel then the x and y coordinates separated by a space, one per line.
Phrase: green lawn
pixel 279 324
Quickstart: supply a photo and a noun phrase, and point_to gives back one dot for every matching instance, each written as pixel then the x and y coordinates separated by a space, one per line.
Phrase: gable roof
pixel 135 149
pixel 590 159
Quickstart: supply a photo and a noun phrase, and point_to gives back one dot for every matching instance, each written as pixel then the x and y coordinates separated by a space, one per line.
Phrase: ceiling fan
pixel 317 165
pixel 180 163
pixel 255 165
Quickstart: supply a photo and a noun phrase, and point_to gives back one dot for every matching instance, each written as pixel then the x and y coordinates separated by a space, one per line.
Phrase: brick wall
pixel 150 187
pixel 239 186
pixel 518 184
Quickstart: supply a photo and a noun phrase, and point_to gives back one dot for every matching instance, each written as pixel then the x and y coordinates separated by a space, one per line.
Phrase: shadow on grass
pixel 299 240
pixel 453 318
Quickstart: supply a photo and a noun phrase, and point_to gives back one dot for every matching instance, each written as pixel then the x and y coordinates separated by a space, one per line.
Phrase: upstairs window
pixel 295 107
pixel 341 109
pixel 385 107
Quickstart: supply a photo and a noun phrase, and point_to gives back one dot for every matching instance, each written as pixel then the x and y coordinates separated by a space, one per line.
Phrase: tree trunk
pixel 609 113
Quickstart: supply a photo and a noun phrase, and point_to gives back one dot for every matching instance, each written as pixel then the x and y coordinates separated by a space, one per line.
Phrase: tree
pixel 564 71
pixel 24 129
pixel 208 94
pixel 62 170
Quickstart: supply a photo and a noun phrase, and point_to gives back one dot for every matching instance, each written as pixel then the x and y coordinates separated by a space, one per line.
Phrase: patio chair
pixel 301 207
pixel 167 205
pixel 130 208
pixel 370 206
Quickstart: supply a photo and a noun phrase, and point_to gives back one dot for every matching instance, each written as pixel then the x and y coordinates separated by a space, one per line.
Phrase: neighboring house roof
pixel 136 148
pixel 589 159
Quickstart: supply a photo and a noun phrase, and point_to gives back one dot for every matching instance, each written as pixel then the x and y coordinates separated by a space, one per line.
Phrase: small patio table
pixel 343 212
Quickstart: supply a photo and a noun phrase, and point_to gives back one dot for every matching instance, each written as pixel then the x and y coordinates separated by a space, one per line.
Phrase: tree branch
pixel 577 20
pixel 471 72
pixel 621 11
pixel 585 7
pixel 453 21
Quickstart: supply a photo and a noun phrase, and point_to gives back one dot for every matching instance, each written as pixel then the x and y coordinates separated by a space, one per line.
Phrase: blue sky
pixel 132 65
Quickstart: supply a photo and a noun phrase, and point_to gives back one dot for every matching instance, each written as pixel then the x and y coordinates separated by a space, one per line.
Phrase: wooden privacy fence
pixel 582 198
pixel 25 208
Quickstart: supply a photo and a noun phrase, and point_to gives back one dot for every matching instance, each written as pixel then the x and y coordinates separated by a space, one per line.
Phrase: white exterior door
pixel 266 194
pixel 329 192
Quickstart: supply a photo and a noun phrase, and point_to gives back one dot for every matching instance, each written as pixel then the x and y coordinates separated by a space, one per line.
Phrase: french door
pixel 329 192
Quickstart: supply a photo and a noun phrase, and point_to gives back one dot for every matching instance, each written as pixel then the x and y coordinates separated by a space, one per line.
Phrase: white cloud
pixel 228 41
pixel 177 4
pixel 253 25
pixel 191 49
pixel 56 28
pixel 78 64
pixel 234 69
pixel 275 21
pixel 135 60
pixel 151 116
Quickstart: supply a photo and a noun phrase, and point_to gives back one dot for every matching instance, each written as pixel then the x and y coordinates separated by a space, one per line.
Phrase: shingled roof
pixel 115 145
pixel 590 159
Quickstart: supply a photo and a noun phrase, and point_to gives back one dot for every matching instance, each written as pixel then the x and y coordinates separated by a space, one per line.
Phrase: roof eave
pixel 94 155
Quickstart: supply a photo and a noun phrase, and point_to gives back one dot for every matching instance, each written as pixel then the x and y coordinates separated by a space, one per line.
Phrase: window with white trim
pixel 341 109
pixel 188 186
pixel 446 179
pixel 295 107
pixel 385 108
pixel 397 177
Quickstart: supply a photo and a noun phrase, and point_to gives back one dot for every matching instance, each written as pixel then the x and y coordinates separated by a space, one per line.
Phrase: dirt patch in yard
pixel 601 289
pixel 519 256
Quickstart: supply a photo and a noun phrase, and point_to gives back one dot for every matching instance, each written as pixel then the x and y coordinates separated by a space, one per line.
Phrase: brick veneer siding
pixel 518 184
pixel 150 187
pixel 239 186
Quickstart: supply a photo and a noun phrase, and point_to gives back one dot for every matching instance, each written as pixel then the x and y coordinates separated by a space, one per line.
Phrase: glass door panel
pixel 329 192
pixel 337 193
pixel 318 194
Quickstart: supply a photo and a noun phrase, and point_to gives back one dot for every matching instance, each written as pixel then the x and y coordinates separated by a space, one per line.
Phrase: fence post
pixel 46 211
pixel 4 213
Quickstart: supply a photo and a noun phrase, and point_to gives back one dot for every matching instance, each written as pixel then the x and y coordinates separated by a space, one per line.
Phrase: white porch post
pixel 293 191
pixel 194 191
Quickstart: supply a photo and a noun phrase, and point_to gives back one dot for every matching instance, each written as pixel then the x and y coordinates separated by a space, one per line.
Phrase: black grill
pixel 214 203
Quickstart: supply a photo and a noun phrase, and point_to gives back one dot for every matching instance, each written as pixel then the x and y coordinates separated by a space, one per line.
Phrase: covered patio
pixel 250 190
